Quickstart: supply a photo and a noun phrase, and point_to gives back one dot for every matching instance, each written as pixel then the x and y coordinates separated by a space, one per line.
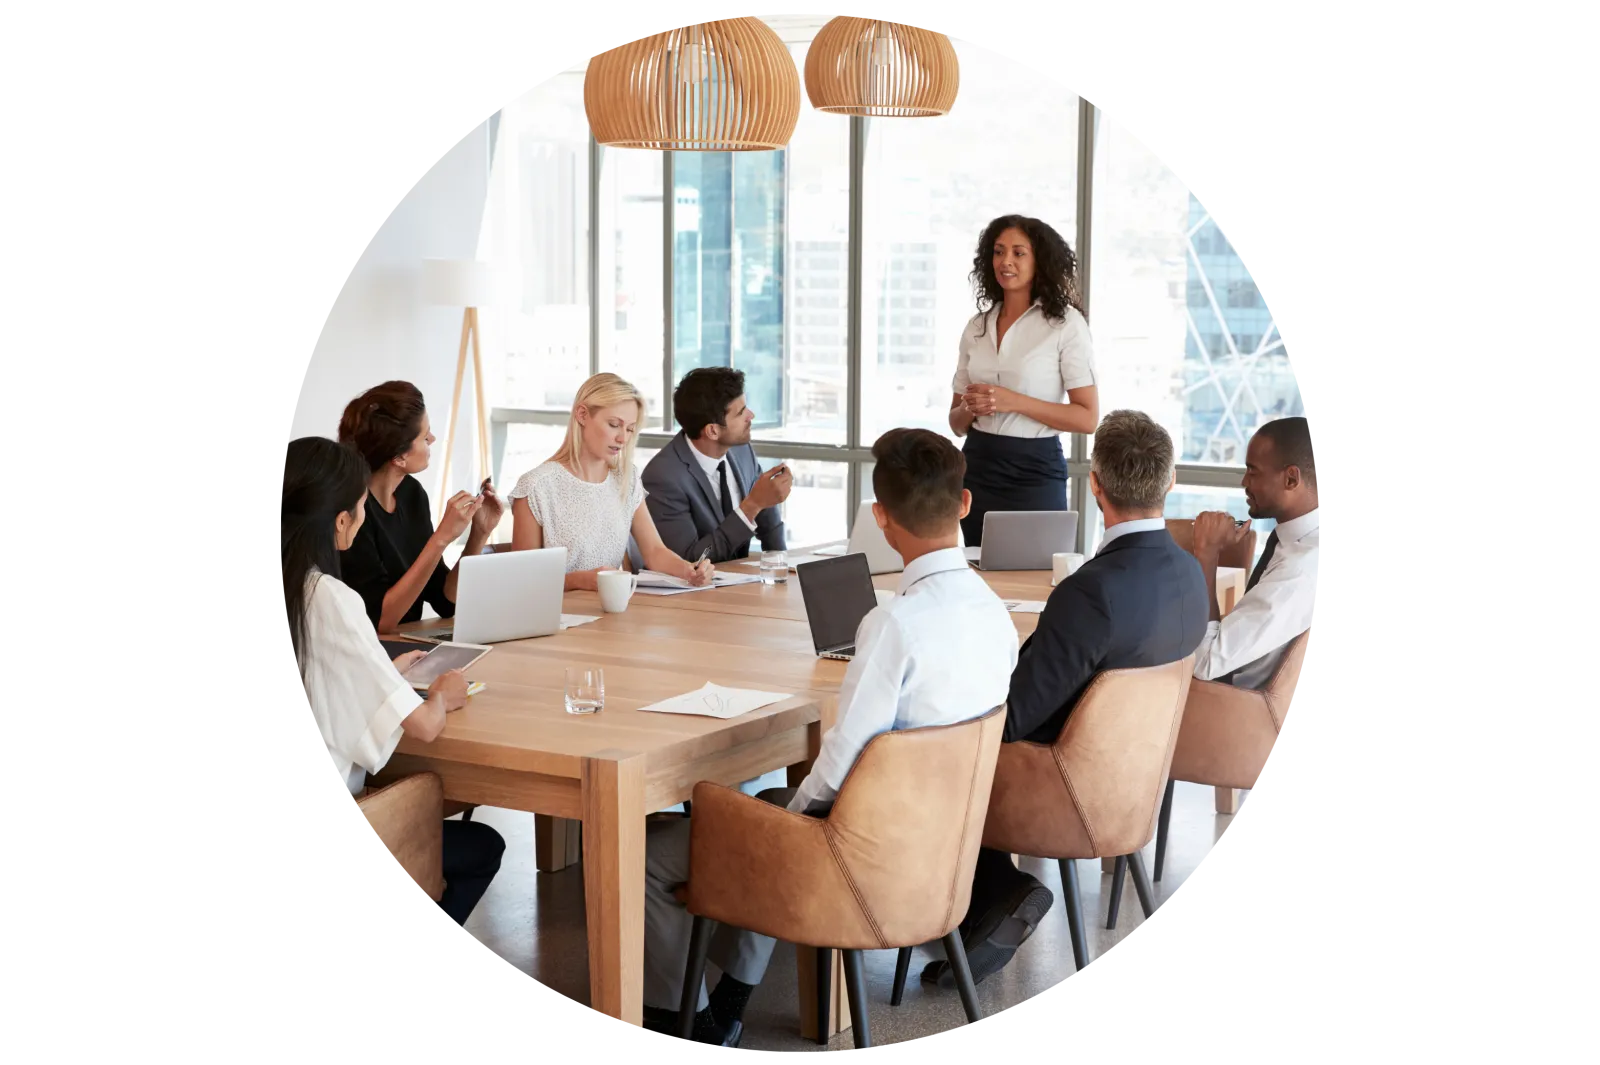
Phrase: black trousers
pixel 992 880
pixel 1011 473
pixel 472 853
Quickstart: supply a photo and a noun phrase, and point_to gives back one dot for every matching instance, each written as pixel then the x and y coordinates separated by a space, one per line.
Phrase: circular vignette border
pixel 373 122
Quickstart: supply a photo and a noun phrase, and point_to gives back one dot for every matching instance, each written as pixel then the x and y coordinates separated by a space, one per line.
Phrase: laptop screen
pixel 838 594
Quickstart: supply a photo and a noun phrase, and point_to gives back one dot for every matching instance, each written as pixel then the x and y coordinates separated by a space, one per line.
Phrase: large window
pixel 1180 329
pixel 760 274
pixel 1008 146
pixel 756 273
pixel 632 316
pixel 536 234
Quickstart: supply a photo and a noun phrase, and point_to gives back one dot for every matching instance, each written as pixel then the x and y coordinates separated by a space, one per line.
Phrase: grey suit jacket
pixel 686 510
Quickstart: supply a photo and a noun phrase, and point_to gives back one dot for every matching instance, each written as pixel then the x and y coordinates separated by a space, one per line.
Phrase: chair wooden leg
pixel 1069 887
pixel 855 987
pixel 694 972
pixel 1141 883
pixel 824 993
pixel 957 953
pixel 1119 873
pixel 902 966
pixel 1161 828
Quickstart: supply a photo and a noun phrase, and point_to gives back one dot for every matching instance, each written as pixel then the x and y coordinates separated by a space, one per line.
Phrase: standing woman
pixel 1025 374
pixel 361 702
pixel 397 562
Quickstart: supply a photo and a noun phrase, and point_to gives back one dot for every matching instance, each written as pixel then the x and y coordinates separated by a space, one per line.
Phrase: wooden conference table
pixel 514 745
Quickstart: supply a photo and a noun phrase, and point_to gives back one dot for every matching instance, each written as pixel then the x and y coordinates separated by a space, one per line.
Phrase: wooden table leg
pixel 555 842
pixel 806 957
pixel 613 881
pixel 1227 801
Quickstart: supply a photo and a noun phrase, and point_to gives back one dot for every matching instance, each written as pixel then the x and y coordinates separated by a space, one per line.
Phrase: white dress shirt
pixel 941 651
pixel 710 464
pixel 1123 528
pixel 1038 358
pixel 1251 640
pixel 356 694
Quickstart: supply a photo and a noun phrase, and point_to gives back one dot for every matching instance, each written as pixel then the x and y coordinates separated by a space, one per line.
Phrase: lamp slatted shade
pixel 728 86
pixel 861 66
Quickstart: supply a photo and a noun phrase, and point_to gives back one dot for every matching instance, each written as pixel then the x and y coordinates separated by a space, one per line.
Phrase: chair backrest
pixel 408 816
pixel 908 822
pixel 1096 790
pixel 1240 556
pixel 1280 687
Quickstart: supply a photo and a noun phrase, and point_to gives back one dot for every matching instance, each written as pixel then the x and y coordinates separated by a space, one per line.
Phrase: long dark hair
pixel 1055 269
pixel 321 480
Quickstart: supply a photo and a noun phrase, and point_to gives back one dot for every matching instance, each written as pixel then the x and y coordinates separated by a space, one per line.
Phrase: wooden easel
pixel 469 328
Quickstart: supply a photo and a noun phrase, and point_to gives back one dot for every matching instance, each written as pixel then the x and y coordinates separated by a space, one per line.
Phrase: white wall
pixel 380 329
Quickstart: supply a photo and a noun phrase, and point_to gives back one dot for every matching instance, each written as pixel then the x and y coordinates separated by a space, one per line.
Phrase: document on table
pixel 1025 606
pixel 569 621
pixel 714 700
pixel 653 583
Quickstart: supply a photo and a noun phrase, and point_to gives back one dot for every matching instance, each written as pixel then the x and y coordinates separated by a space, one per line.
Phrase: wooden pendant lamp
pixel 728 86
pixel 862 66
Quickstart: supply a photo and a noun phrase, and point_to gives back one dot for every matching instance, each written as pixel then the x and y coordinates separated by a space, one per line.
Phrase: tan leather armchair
pixel 1094 792
pixel 407 816
pixel 890 866
pixel 1241 555
pixel 1228 732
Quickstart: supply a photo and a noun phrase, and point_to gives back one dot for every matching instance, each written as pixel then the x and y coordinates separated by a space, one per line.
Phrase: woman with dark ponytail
pixel 1025 373
pixel 361 702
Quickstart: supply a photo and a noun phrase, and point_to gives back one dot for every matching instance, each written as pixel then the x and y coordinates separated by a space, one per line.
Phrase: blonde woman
pixel 588 496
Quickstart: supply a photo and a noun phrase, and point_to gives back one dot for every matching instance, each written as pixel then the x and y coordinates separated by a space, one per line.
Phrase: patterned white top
pixel 591 521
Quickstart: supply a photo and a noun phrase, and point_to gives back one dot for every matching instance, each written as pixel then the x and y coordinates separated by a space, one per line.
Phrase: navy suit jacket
pixel 1140 602
pixel 688 514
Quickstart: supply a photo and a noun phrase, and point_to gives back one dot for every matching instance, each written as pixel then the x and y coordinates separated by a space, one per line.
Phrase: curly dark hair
pixel 1055 272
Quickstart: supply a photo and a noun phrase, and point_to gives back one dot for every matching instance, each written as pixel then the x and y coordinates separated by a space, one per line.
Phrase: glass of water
pixel 586 689
pixel 774 567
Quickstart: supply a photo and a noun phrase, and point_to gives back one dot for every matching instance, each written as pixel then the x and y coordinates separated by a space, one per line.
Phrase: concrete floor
pixel 536 923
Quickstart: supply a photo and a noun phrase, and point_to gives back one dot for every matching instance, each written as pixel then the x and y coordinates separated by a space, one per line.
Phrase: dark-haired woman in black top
pixel 1025 374
pixel 397 560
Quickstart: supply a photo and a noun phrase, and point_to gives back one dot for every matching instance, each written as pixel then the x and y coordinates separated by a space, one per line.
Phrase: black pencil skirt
pixel 1011 473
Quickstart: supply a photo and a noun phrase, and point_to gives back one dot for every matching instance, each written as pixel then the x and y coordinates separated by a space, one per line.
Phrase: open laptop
pixel 838 593
pixel 867 539
pixel 508 595
pixel 1024 539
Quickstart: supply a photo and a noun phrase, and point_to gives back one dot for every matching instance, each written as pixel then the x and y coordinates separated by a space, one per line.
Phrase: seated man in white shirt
pixel 941 651
pixel 1280 482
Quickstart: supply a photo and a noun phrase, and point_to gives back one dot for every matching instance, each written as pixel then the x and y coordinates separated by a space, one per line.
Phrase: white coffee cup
pixel 1064 564
pixel 616 588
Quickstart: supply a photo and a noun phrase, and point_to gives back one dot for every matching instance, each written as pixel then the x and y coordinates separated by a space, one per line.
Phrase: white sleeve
pixel 1266 618
pixel 1076 353
pixel 536 491
pixel 962 378
pixel 358 696
pixel 869 698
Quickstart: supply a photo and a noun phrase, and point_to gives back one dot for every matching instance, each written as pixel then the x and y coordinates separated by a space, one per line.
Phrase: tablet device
pixel 441 660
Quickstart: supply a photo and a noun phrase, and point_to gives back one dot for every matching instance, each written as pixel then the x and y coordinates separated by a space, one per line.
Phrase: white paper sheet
pixel 1025 606
pixel 571 620
pixel 714 700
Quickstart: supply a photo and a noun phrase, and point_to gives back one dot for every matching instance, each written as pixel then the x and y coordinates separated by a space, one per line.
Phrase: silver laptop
pixel 508 595
pixel 867 539
pixel 1024 539
pixel 838 593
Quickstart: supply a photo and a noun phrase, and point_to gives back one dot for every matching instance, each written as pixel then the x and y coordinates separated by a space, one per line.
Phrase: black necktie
pixel 1266 556
pixel 723 495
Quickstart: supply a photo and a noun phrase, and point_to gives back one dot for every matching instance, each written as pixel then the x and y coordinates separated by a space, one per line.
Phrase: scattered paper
pixel 714 700
pixel 1025 606
pixel 571 620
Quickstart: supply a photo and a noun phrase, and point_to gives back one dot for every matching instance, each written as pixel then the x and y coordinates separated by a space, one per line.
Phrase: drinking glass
pixel 774 567
pixel 586 689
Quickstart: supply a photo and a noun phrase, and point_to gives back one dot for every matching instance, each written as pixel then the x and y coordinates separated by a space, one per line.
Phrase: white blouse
pixel 591 521
pixel 356 694
pixel 1038 358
